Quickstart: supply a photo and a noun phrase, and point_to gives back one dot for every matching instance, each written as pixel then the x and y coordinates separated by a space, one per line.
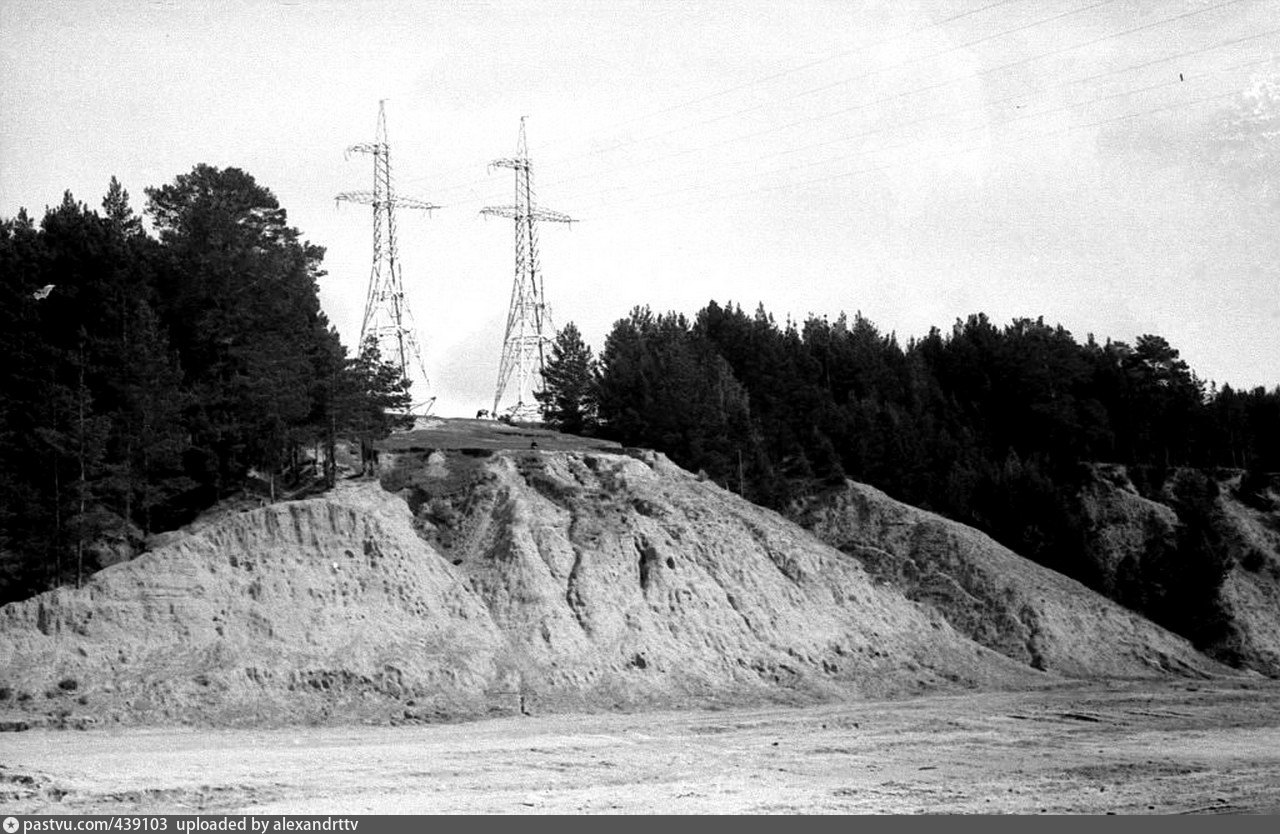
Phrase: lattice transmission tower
pixel 529 328
pixel 387 319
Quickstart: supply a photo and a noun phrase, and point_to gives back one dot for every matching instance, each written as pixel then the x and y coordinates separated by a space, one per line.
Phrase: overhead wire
pixel 771 77
pixel 844 54
pixel 936 117
pixel 1063 85
pixel 1020 62
pixel 632 207
pixel 750 164
pixel 704 122
pixel 631 210
pixel 930 87
pixel 846 81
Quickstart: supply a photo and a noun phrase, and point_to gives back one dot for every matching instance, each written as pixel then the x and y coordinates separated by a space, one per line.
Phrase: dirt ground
pixel 1130 748
pixel 455 433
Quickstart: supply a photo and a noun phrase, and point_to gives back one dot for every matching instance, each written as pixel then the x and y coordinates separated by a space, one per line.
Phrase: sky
pixel 1111 166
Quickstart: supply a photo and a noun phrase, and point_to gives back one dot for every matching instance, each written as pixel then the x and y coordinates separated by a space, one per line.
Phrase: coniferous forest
pixel 147 377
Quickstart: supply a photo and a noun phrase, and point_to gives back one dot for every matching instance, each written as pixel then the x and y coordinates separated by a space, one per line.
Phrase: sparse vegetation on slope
pixel 1202 553
pixel 991 594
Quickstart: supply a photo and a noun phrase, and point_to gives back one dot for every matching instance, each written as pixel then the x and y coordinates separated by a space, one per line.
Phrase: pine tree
pixel 568 395
pixel 118 211
pixel 370 399
pixel 665 387
pixel 241 305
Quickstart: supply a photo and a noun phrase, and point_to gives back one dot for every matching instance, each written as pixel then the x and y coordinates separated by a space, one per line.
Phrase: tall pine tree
pixel 568 395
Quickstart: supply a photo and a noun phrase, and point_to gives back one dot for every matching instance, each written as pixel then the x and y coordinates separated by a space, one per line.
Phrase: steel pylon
pixel 529 325
pixel 387 319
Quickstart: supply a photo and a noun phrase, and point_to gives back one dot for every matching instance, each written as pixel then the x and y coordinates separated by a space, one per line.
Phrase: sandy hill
pixel 548 580
pixel 991 594
pixel 495 581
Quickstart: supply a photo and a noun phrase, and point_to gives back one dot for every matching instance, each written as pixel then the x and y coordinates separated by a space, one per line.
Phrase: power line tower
pixel 387 319
pixel 528 318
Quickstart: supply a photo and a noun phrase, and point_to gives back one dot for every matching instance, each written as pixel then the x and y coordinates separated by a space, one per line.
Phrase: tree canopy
pixel 147 376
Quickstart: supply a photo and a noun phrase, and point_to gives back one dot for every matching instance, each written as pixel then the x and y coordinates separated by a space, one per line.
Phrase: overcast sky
pixel 1112 166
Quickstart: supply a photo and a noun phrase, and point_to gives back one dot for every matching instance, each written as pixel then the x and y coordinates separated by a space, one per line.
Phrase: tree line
pixel 148 376
pixel 986 424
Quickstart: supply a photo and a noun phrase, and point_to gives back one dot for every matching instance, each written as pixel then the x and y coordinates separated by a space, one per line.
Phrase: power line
pixel 898 96
pixel 884 100
pixel 1060 86
pixel 846 81
pixel 927 119
pixel 948 82
pixel 941 155
pixel 818 62
pixel 712 120
pixel 765 79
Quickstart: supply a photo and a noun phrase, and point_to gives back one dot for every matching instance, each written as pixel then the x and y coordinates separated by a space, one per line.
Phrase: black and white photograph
pixel 620 407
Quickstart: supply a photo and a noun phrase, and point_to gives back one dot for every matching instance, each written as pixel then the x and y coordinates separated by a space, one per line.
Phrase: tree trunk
pixel 57 524
pixel 80 487
pixel 331 454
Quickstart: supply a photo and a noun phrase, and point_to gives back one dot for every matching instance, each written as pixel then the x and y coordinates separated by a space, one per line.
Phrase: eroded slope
pixel 991 594
pixel 544 580
pixel 634 577
pixel 1200 534
pixel 297 611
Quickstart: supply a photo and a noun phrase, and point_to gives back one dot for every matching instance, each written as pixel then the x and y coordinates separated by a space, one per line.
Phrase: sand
pixel 1130 748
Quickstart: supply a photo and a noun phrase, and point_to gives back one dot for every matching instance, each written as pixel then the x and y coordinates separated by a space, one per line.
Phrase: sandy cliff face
pixel 296 611
pixel 1251 590
pixel 534 581
pixel 632 577
pixel 992 595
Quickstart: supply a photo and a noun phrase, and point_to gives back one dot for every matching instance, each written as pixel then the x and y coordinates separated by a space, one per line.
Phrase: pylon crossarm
pixel 363 197
pixel 518 213
pixel 551 216
pixel 515 163
pixel 502 211
pixel 367 147
pixel 411 203
pixel 368 198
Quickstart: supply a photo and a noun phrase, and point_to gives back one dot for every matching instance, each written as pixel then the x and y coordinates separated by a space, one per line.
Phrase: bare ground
pixel 1141 747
